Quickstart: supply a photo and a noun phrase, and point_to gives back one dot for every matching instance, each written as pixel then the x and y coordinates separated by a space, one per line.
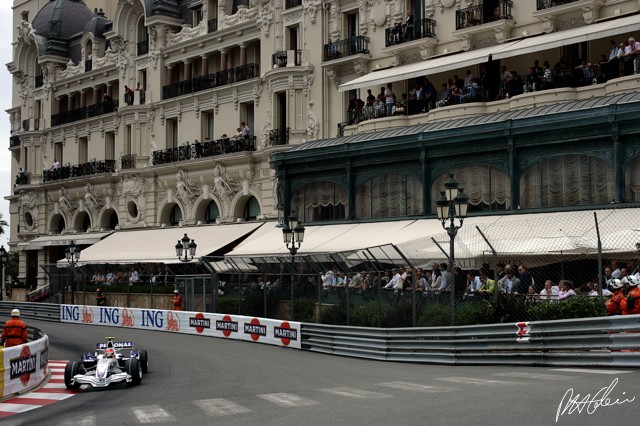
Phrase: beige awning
pixel 158 245
pixel 62 240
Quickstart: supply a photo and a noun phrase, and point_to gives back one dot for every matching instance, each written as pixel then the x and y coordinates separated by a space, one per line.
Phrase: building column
pixel 109 90
pixel 187 70
pixel 204 65
pixel 243 54
pixel 70 102
pixel 96 98
pixel 223 60
pixel 58 104
pixel 169 74
pixel 83 98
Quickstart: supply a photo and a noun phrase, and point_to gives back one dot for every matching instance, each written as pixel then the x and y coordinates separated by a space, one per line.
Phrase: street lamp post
pixel 186 250
pixel 72 253
pixel 293 235
pixel 4 256
pixel 452 204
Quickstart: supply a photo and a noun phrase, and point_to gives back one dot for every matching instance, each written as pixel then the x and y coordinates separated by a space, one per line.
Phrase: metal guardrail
pixel 604 342
pixel 38 311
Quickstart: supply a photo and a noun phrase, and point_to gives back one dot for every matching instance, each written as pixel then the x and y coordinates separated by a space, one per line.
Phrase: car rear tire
pixel 72 368
pixel 144 360
pixel 132 367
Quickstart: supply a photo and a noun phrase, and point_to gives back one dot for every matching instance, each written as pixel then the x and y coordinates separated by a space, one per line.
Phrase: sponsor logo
pixel 199 322
pixel 285 333
pixel 173 322
pixel 70 313
pixel 44 358
pixel 227 326
pixel 255 329
pixel 87 315
pixel 127 318
pixel 23 366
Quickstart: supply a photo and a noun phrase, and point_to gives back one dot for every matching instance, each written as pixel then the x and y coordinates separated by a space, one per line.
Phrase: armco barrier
pixel 603 342
pixel 24 367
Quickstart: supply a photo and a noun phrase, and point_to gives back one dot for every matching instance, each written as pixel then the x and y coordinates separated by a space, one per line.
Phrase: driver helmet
pixel 615 283
pixel 109 353
pixel 632 280
pixel 176 291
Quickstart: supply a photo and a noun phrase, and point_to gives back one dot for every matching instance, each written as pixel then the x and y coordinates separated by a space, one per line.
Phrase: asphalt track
pixel 196 380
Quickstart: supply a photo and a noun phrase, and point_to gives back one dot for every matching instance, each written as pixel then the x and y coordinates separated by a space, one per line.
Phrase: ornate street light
pixel 453 204
pixel 186 249
pixel 293 235
pixel 72 253
pixel 4 257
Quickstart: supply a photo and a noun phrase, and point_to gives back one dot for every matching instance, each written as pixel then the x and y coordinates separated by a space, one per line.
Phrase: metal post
pixel 452 286
pixel 293 264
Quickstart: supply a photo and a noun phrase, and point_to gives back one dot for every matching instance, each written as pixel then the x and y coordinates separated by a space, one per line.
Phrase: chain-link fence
pixel 519 267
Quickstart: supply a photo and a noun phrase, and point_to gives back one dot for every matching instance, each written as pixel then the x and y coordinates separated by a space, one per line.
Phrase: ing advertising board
pixel 236 327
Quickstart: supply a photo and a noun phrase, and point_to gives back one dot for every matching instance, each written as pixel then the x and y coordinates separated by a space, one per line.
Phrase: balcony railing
pixel 209 81
pixel 128 161
pixel 88 65
pixel 546 4
pixel 84 113
pixel 279 59
pixel 348 47
pixel 87 169
pixel 23 178
pixel 212 25
pixel 14 141
pixel 39 81
pixel 288 4
pixel 478 15
pixel 143 47
pixel 279 136
pixel 204 149
pixel 401 33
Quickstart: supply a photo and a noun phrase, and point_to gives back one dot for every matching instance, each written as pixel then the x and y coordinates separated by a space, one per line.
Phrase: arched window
pixel 391 195
pixel 567 180
pixel 86 222
pixel 486 187
pixel 251 209
pixel 113 220
pixel 211 213
pixel 320 201
pixel 176 216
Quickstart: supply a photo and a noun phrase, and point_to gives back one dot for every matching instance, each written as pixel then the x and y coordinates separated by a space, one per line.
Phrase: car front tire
pixel 132 367
pixel 70 370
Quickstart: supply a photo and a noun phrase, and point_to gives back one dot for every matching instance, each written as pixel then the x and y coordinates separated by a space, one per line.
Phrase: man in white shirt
pixel 446 280
pixel 549 292
pixel 328 279
pixel 393 282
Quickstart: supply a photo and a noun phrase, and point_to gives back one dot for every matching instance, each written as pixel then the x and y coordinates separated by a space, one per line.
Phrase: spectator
pixel 328 279
pixel 615 269
pixel 447 282
pixel 394 283
pixel 566 290
pixel 370 98
pixel 549 292
pixel 422 283
pixel 101 299
pixel 128 95
pixel 56 169
pixel 409 27
pixel 176 300
pixel 509 283
pixel 390 98
pixel 246 132
pixel 525 279
pixel 487 287
pixel 15 331
pixel 595 290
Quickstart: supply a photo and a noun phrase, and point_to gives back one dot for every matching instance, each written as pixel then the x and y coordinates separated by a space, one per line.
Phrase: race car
pixel 107 365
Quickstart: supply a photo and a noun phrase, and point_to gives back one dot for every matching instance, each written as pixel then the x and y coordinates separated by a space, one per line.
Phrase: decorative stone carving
pixel 266 129
pixel 23 81
pixel 29 205
pixel 590 13
pixel 265 16
pixel 257 91
pixel 26 33
pixel 64 204
pixel 311 8
pixel 223 187
pixel 548 24
pixel 133 191
pixel 335 21
pixel 308 82
pixel 186 192
pixel 186 32
pixel 312 124
pixel 92 203
pixel 466 42
pixel 244 14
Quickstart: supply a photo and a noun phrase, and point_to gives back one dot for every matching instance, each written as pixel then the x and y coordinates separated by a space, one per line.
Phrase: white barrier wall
pixel 236 327
pixel 24 366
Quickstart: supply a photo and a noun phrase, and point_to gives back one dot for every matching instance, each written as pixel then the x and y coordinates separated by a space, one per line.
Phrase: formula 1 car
pixel 107 365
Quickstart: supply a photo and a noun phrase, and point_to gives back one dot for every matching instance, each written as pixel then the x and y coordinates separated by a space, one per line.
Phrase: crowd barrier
pixel 591 342
pixel 24 367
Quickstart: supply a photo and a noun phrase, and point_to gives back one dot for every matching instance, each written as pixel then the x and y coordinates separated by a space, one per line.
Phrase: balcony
pixel 128 161
pixel 212 25
pixel 279 137
pixel 39 81
pixel 344 48
pixel 281 59
pixel 23 178
pixel 400 33
pixel 478 15
pixel 289 4
pixel 14 140
pixel 142 47
pixel 547 4
pixel 204 149
pixel 209 81
pixel 548 11
pixel 94 110
pixel 87 169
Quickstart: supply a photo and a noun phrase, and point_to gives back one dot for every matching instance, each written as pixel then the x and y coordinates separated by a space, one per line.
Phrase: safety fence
pixel 602 342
